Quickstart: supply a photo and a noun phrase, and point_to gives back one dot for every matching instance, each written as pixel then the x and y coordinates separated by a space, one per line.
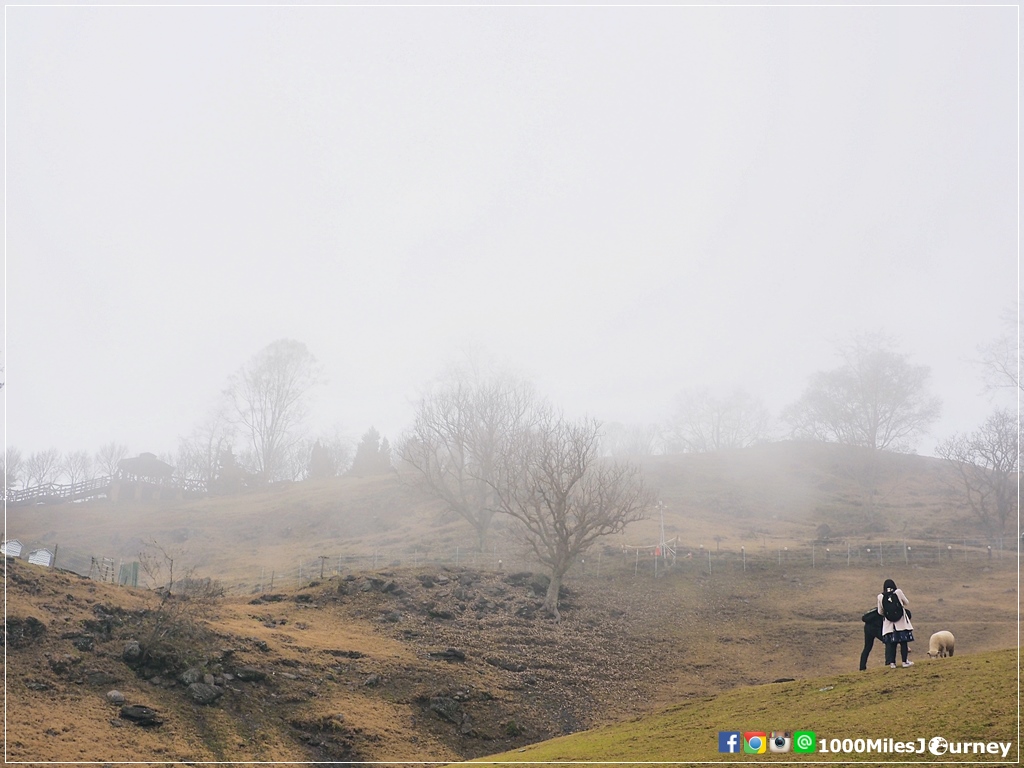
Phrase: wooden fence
pixel 55 493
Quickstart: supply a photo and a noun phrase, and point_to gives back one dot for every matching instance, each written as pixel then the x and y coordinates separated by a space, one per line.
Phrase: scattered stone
pixel 83 642
pixel 141 715
pixel 37 685
pixel 347 654
pixel 99 677
pixel 267 599
pixel 527 612
pixel 288 676
pixel 115 697
pixel 391 616
pixel 21 632
pixel 426 580
pixel 446 708
pixel 449 654
pixel 509 666
pixel 250 674
pixel 132 653
pixel 205 694
pixel 372 681
pixel 61 665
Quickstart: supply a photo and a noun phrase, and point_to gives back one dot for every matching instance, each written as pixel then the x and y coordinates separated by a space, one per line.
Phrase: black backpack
pixel 892 608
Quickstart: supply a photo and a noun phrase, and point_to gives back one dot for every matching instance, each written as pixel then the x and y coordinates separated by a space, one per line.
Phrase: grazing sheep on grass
pixel 940 645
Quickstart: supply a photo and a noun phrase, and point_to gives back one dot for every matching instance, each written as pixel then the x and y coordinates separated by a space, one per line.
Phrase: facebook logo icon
pixel 728 741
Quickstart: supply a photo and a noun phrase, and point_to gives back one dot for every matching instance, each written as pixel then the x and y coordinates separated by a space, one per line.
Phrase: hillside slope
pixel 761 499
pixel 969 699
pixel 408 647
pixel 436 664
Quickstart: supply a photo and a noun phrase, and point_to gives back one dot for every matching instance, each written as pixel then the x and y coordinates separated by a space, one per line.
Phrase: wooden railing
pixel 52 493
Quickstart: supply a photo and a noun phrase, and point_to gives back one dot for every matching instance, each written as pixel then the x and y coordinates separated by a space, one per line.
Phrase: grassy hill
pixel 963 699
pixel 354 663
pixel 763 499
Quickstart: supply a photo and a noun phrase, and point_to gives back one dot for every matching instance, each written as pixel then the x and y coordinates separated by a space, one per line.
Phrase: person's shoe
pixel 907 664
pixel 892 666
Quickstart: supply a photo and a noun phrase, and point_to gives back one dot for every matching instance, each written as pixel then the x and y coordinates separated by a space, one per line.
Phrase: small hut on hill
pixel 145 466
pixel 11 548
pixel 43 557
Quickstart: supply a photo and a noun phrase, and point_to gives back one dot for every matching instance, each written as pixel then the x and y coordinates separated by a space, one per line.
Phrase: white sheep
pixel 940 645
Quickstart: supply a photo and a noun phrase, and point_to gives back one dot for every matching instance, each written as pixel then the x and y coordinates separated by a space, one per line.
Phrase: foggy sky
pixel 619 203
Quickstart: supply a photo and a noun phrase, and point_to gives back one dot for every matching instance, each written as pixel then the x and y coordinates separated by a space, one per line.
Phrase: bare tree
pixel 1000 358
pixel 562 496
pixel 295 465
pixel 987 464
pixel 42 467
pixel 76 466
pixel 629 439
pixel 175 633
pixel 14 467
pixel 704 423
pixel 877 399
pixel 109 456
pixel 461 428
pixel 269 397
pixel 199 453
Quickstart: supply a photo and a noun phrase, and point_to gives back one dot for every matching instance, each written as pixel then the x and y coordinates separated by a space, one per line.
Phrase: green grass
pixel 965 698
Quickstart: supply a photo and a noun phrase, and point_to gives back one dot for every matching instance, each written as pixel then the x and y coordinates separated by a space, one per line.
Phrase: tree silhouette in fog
pixel 269 399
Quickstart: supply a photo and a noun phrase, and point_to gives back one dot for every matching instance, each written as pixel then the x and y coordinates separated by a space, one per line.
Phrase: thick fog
pixel 617 203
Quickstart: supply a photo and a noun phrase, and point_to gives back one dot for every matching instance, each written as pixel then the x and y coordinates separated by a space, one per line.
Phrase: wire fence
pixel 656 560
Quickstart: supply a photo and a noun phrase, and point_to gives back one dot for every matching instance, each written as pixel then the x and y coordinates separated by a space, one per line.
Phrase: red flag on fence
pixel 657 551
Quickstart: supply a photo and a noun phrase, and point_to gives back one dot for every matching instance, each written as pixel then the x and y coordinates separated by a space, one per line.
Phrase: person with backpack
pixel 896 626
pixel 872 631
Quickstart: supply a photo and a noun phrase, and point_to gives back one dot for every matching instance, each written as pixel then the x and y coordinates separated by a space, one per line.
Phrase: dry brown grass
pixel 628 644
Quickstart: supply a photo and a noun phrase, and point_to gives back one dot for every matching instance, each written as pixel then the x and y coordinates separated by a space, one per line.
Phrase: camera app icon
pixel 780 741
